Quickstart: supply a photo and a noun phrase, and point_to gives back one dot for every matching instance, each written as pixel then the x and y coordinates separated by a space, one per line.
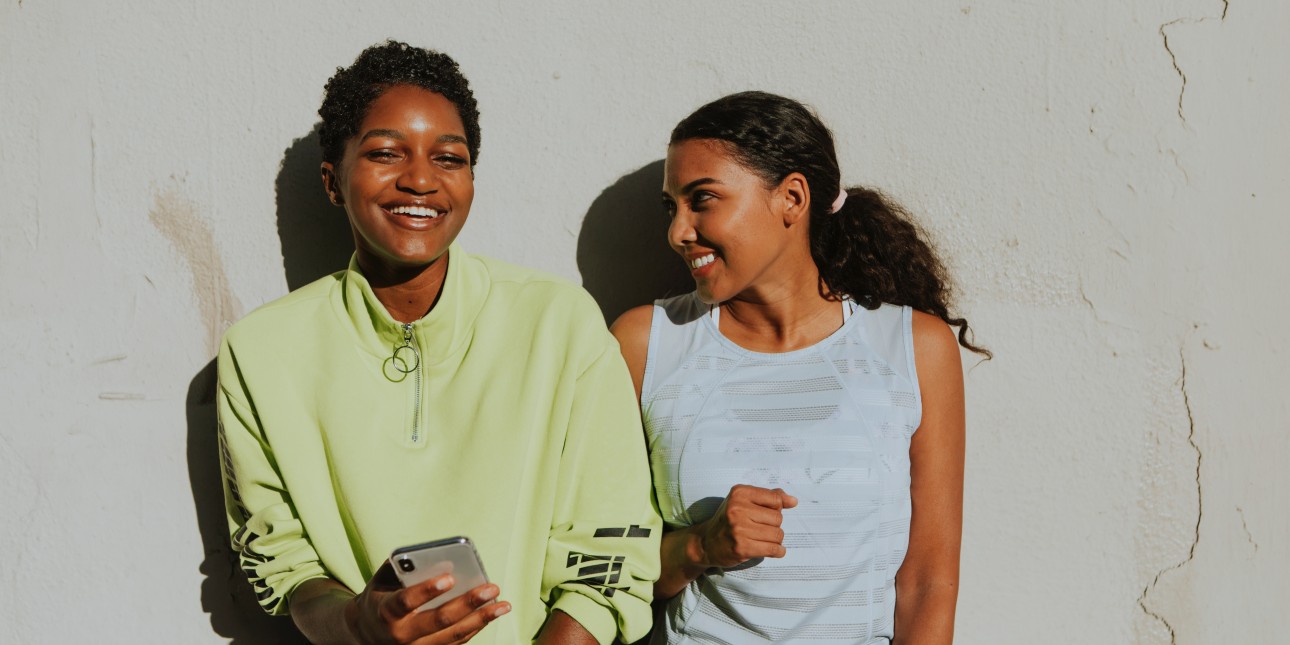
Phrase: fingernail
pixel 488 593
pixel 443 583
pixel 502 610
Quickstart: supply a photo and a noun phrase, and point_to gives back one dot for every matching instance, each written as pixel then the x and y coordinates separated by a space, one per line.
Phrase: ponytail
pixel 870 249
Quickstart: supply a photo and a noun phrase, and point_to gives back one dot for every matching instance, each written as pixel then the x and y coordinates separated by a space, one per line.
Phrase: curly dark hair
pixel 351 91
pixel 870 249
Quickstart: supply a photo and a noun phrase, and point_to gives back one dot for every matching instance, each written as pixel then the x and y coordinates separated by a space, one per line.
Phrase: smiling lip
pixel 700 265
pixel 416 217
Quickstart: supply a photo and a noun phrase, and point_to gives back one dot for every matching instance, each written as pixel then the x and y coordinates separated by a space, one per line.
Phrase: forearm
pixel 925 614
pixel 562 629
pixel 680 562
pixel 319 608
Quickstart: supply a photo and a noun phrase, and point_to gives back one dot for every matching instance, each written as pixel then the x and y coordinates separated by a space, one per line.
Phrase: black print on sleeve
pixel 600 572
pixel 633 531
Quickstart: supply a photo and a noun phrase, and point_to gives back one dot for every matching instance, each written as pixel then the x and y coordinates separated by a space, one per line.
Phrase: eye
pixel 699 200
pixel 382 155
pixel 450 162
pixel 669 207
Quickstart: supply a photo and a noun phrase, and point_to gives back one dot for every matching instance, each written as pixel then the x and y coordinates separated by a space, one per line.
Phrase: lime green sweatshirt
pixel 516 427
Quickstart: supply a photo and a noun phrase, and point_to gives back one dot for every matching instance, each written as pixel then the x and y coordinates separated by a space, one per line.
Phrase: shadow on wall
pixel 623 255
pixel 226 594
pixel 316 238
pixel 316 241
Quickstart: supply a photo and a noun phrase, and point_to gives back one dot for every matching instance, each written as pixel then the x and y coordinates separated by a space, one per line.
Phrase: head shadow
pixel 316 241
pixel 623 255
pixel 315 235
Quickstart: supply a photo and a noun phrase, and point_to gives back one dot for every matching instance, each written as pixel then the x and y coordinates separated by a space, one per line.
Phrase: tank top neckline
pixel 712 322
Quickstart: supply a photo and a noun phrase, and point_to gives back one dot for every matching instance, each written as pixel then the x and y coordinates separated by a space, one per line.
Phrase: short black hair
pixel 351 91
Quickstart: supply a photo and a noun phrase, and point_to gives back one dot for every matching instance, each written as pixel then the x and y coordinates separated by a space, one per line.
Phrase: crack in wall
pixel 1248 536
pixel 1093 308
pixel 1200 502
pixel 1173 58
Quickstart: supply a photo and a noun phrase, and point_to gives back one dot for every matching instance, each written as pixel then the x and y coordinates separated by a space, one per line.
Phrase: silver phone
pixel 455 555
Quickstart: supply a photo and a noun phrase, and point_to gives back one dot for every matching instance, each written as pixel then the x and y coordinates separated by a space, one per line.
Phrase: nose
pixel 418 176
pixel 680 232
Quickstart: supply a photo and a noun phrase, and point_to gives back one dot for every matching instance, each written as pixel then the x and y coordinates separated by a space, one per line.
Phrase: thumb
pixel 786 500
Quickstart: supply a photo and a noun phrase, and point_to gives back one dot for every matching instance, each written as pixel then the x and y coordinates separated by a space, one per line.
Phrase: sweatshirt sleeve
pixel 266 533
pixel 602 556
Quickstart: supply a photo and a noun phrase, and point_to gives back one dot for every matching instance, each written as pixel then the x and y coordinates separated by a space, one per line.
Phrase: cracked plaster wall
pixel 1108 181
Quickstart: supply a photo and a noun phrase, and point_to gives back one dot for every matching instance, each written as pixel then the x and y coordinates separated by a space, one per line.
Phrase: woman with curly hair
pixel 804 405
pixel 425 392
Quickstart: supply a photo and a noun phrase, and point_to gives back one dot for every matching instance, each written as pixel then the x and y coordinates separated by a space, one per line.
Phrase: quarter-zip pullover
pixel 505 415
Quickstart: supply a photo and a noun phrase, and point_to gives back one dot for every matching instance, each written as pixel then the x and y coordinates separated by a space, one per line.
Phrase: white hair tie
pixel 842 199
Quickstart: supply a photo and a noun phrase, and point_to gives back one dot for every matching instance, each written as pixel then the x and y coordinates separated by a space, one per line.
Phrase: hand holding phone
pixel 456 556
pixel 385 613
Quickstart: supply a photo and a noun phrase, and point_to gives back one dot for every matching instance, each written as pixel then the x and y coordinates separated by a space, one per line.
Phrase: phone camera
pixel 406 564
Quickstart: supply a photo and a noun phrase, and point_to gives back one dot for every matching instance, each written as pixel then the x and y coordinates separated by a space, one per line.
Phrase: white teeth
pixel 416 211
pixel 703 261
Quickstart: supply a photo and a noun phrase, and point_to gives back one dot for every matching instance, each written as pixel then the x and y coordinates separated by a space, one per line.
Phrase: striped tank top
pixel 831 425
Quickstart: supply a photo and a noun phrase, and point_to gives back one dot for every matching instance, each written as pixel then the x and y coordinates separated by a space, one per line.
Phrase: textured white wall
pixel 1108 179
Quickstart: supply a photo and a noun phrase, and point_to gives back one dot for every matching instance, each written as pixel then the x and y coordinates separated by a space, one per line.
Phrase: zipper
pixel 401 363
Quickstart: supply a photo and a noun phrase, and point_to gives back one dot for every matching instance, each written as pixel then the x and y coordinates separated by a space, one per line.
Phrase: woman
pixel 804 406
pixel 424 393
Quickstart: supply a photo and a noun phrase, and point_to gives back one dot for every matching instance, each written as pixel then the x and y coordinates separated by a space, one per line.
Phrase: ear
pixel 331 184
pixel 794 195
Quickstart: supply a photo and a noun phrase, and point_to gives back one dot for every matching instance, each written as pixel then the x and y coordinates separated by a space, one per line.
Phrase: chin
pixel 707 296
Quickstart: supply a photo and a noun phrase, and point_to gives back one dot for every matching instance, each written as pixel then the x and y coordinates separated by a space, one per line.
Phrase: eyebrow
pixel 382 132
pixel 689 188
pixel 395 134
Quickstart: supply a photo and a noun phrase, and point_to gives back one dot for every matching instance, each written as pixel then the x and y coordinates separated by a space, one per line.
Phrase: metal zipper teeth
pixel 416 410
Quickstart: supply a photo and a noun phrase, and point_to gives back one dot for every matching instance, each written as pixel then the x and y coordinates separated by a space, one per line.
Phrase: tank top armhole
pixel 907 330
pixel 651 350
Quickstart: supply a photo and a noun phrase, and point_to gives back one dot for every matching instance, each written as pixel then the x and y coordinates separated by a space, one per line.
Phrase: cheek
pixel 463 186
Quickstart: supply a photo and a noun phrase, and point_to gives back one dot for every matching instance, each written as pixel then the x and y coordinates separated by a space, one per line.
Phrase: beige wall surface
pixel 1108 180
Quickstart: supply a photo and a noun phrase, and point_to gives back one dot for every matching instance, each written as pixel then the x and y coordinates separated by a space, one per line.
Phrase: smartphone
pixel 455 555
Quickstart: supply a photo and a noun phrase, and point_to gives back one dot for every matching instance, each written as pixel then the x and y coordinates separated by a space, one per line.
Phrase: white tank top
pixel 831 425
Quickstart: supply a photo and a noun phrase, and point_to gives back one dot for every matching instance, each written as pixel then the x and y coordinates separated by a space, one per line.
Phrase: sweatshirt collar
pixel 441 334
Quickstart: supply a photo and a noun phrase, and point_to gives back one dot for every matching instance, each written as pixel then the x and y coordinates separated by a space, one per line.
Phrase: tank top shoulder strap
pixel 673 332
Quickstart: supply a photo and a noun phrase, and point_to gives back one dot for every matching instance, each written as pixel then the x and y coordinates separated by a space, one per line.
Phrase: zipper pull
pixel 406 358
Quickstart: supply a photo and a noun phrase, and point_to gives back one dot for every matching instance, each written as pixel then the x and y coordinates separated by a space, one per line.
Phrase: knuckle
pixel 443 621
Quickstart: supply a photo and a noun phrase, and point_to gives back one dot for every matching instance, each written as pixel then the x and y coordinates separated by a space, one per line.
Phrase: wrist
pixel 696 556
pixel 349 620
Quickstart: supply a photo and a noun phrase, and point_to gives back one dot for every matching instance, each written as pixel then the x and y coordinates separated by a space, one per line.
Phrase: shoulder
pixel 936 354
pixel 933 335
pixel 632 330
pixel 519 282
pixel 286 315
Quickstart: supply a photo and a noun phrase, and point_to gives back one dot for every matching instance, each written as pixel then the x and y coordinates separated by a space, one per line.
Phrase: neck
pixel 408 293
pixel 786 314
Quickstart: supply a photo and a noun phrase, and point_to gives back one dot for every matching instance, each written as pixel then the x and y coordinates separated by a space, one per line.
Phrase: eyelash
pixel 452 162
pixel 449 161
pixel 698 202
pixel 698 199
